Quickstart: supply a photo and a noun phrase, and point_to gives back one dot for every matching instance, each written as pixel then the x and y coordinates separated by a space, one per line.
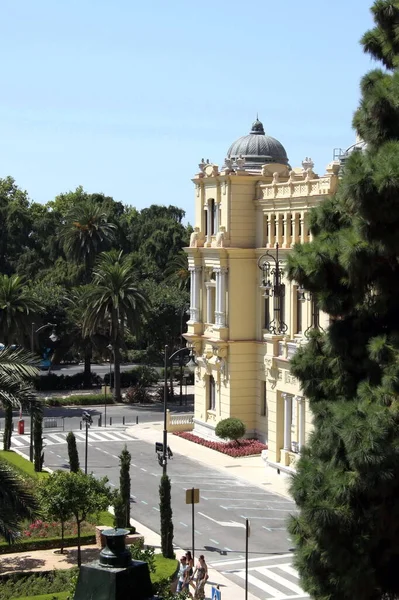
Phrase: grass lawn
pixel 53 596
pixel 24 466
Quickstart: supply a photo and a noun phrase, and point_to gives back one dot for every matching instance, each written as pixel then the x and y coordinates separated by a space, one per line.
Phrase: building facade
pixel 244 328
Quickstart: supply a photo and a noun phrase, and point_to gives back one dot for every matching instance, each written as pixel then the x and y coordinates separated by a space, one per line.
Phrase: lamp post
pixel 272 271
pixel 168 360
pixel 184 310
pixel 53 337
pixel 86 418
pixel 303 295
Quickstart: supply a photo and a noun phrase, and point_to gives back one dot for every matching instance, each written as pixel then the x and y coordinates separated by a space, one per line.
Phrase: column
pixel 294 221
pixel 222 296
pixel 301 419
pixel 197 293
pixel 287 225
pixel 268 230
pixel 278 230
pixel 302 221
pixel 217 297
pixel 208 302
pixel 217 215
pixel 192 293
pixel 287 420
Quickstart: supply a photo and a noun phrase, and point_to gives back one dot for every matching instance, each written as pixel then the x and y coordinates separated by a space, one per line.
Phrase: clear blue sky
pixel 125 97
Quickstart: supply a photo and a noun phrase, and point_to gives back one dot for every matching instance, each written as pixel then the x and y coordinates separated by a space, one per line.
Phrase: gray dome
pixel 258 149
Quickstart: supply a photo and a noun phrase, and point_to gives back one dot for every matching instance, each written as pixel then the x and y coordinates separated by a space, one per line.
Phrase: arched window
pixel 211 393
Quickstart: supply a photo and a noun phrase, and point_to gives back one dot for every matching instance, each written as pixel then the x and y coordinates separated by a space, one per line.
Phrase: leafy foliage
pixel 165 506
pixel 346 486
pixel 230 429
pixel 73 455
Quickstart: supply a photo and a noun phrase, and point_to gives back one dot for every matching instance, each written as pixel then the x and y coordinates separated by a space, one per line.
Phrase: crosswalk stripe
pixel 274 592
pixel 16 442
pixel 110 436
pixel 95 436
pixel 267 572
pixel 288 569
pixel 55 437
pixel 123 436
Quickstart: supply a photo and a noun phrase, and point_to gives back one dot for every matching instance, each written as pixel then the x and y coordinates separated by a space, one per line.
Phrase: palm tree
pixel 116 302
pixel 177 271
pixel 16 502
pixel 17 310
pixel 86 232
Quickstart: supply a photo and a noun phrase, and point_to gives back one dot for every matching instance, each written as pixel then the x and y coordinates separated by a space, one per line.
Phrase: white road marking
pixel 181 523
pixel 113 456
pixel 290 570
pixel 58 456
pixel 80 436
pixel 250 560
pixel 154 474
pixel 265 518
pixel 228 549
pixel 289 510
pixel 144 502
pixel 223 523
pixel 16 442
pixel 214 541
pixel 113 485
pixel 141 469
pixel 55 437
pixel 156 508
pixel 274 592
pixel 197 532
pixel 266 571
pixel 110 436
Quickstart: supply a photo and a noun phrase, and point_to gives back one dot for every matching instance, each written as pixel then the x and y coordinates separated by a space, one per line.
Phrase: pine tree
pixel 124 484
pixel 73 455
pixel 165 506
pixel 347 481
pixel 38 441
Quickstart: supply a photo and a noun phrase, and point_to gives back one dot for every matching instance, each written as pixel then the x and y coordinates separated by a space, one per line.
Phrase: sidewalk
pixel 249 468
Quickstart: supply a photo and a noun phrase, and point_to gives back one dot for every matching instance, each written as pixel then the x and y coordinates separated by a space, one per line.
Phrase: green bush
pixel 16 585
pixel 27 545
pixel 138 394
pixel 230 429
pixel 80 400
pixel 53 382
pixel 141 375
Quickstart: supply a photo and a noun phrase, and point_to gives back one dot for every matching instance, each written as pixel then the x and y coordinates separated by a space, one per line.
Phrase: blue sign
pixel 216 594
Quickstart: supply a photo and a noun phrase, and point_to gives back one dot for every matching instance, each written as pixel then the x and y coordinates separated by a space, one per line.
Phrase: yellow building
pixel 245 324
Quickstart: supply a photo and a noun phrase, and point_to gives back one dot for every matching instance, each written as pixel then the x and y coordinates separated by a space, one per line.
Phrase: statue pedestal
pixel 105 583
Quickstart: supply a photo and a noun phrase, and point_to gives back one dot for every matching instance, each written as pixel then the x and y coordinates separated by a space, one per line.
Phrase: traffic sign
pixel 216 594
pixel 192 496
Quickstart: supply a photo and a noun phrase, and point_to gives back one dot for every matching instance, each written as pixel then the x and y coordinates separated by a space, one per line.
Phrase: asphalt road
pixel 225 503
pixel 69 418
pixel 100 369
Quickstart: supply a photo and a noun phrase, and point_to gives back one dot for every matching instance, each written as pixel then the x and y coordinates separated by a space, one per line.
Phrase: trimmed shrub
pixel 79 400
pixel 53 382
pixel 230 429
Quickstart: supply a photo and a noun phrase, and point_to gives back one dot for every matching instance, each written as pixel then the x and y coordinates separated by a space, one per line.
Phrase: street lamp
pixel 168 360
pixel 303 296
pixel 86 418
pixel 184 310
pixel 272 270
pixel 53 337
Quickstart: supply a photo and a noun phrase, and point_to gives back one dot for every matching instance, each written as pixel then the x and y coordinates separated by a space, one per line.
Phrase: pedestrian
pixel 190 564
pixel 183 581
pixel 201 570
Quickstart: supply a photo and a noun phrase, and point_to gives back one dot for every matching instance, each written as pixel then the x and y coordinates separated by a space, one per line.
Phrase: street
pixel 225 503
pixel 99 368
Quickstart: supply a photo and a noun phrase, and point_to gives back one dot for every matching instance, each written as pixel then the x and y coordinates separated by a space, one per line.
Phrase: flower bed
pixel 244 448
pixel 40 529
pixel 29 544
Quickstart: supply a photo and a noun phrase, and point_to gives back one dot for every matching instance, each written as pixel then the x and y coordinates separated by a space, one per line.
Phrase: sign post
pixel 247 534
pixel 192 497
pixel 216 593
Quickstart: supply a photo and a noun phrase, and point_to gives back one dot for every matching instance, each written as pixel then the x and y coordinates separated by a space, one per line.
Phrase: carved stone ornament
pixel 276 178
pixel 240 162
pixel 228 164
pixel 220 237
pixel 202 165
pixel 307 163
pixel 194 238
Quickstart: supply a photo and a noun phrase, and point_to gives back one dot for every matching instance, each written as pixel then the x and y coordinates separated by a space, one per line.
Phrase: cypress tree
pixel 7 426
pixel 347 481
pixel 73 455
pixel 38 441
pixel 165 506
pixel 124 484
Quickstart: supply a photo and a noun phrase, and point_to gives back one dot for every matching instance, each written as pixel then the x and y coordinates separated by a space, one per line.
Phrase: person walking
pixel 201 570
pixel 183 576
